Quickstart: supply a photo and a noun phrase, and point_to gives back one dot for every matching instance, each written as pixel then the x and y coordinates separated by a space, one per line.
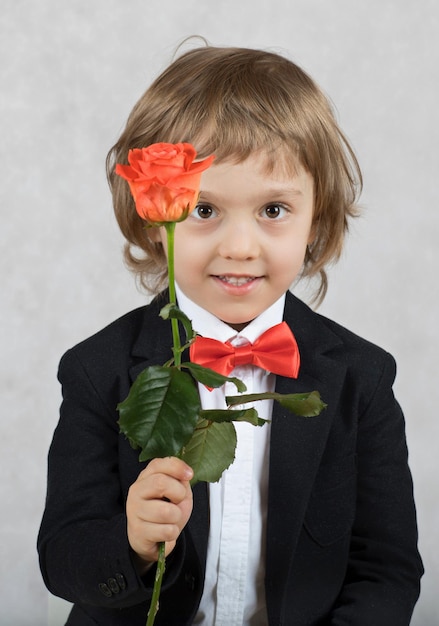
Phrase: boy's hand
pixel 158 507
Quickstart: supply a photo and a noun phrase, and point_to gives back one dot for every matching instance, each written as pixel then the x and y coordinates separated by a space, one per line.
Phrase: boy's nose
pixel 239 241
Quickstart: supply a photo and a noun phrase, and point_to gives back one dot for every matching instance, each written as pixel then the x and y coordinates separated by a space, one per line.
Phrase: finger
pixel 162 480
pixel 155 533
pixel 159 487
pixel 159 512
pixel 171 466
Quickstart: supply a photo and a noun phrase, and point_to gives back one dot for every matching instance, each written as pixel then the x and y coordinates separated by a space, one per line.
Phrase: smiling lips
pixel 237 281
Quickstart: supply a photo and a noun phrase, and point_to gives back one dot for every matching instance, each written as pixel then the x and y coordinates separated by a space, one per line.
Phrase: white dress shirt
pixel 234 593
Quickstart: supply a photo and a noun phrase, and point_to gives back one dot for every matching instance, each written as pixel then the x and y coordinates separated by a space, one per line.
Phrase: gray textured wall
pixel 70 72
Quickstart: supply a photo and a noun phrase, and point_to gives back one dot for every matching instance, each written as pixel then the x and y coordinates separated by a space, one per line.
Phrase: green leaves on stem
pixel 162 416
pixel 161 411
pixel 211 450
pixel 303 404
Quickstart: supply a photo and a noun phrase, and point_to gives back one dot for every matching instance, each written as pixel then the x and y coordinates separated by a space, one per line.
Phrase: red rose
pixel 164 180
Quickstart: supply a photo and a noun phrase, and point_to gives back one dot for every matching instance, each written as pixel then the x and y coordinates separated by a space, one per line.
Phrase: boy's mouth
pixel 236 281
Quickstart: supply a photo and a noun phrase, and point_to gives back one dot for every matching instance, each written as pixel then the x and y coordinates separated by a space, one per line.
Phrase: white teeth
pixel 237 281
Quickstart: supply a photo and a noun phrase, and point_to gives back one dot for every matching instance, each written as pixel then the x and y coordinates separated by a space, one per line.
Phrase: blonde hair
pixel 232 102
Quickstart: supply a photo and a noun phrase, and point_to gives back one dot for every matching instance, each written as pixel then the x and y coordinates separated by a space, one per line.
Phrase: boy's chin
pixel 238 326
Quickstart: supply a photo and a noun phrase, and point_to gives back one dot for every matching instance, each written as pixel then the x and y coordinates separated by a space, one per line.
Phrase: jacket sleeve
pixel 384 569
pixel 84 551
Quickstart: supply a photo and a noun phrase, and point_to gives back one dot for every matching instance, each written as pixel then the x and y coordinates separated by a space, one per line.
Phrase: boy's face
pixel 245 242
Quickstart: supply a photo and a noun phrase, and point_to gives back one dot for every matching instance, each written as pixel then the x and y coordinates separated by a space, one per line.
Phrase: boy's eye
pixel 203 211
pixel 273 211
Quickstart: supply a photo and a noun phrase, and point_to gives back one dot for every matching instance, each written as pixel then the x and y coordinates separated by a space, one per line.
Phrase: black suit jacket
pixel 341 529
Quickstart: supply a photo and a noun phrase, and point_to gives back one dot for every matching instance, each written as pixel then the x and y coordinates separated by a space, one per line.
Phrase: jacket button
pixel 120 580
pixel 112 583
pixel 105 590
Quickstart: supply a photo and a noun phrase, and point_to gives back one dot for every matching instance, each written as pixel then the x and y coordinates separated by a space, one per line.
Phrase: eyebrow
pixel 269 191
pixel 284 189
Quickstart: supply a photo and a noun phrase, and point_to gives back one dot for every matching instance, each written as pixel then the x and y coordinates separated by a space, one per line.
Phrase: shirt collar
pixel 207 325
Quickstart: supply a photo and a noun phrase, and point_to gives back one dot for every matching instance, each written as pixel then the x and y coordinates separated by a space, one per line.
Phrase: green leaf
pixel 210 451
pixel 210 378
pixel 303 404
pixel 237 415
pixel 161 411
pixel 171 311
pixel 251 416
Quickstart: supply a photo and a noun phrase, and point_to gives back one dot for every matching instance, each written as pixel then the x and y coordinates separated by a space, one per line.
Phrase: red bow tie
pixel 275 350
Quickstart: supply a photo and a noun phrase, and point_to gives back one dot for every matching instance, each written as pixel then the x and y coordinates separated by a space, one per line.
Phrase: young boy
pixel 314 523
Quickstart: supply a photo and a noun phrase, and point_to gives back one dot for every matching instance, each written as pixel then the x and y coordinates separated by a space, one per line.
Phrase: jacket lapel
pixel 297 444
pixel 154 340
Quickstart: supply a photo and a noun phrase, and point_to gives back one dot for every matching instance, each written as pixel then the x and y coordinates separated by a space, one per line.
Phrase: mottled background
pixel 70 72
